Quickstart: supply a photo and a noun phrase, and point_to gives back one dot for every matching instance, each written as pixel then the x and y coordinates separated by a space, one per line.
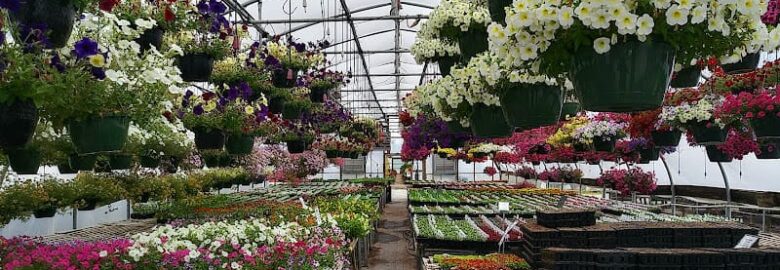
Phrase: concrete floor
pixel 391 250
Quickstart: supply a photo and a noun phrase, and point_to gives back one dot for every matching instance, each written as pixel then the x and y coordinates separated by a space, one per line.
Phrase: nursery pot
pixel 632 76
pixel 276 105
pixel 472 42
pixel 497 12
pixel 686 77
pixel 354 155
pixel 317 94
pixel 24 160
pixel 707 135
pixel 57 18
pixel 715 155
pixel 284 78
pixel 446 63
pixel 213 161
pixel 149 161
pixel 488 122
pixel 769 150
pixel 529 106
pixel 151 37
pixel 89 204
pixel 767 127
pixel 120 161
pixel 292 112
pixel 102 166
pixel 602 145
pixel 747 64
pixel 666 138
pixel 569 109
pixel 82 162
pixel 99 134
pixel 196 67
pixel 332 153
pixel 239 144
pixel 296 146
pixel 208 139
pixel 66 169
pixel 22 118
pixel 456 127
pixel 649 154
pixel 45 211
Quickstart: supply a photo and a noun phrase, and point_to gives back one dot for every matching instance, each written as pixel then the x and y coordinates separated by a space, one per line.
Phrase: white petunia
pixel 644 25
pixel 676 15
pixel 600 20
pixel 566 17
pixel 528 52
pixel 698 14
pixel 601 45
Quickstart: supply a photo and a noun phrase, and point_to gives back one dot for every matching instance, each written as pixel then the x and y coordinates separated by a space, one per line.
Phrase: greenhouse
pixel 390 134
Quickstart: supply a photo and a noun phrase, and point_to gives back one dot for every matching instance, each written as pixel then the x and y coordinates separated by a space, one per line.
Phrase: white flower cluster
pixel 461 14
pixel 490 148
pixel 605 130
pixel 533 25
pixel 430 48
pixel 687 113
pixel 442 95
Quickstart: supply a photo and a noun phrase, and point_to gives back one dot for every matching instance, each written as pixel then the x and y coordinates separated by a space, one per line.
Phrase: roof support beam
pixel 368 52
pixel 347 18
pixel 395 11
pixel 297 28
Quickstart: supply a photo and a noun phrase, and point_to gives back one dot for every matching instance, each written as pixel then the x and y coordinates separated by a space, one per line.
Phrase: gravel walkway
pixel 392 248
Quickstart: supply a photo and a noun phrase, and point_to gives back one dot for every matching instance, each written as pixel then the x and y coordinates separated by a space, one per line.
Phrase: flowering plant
pixel 245 117
pixel 695 29
pixel 738 144
pixel 168 15
pixel 604 128
pixel 643 123
pixel 288 54
pixel 487 148
pixel 690 106
pixel 431 48
pixel 193 43
pixel 749 106
pixel 363 129
pixel 564 136
pixel 22 75
pixel 232 71
pixel 627 181
pixel 328 118
pixel 325 79
pixel 446 98
pixel 453 16
pixel 448 152
pixel 526 172
pixel 417 102
pixel 490 171
pixel 506 157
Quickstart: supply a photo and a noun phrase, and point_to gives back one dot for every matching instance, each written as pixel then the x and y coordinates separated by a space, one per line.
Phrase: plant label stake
pixel 318 215
pixel 747 241
pixel 505 234
pixel 562 201
pixel 303 204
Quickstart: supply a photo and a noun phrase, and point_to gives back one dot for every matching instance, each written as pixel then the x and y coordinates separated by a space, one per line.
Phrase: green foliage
pixel 24 76
pixel 192 42
pixel 96 188
pixel 21 199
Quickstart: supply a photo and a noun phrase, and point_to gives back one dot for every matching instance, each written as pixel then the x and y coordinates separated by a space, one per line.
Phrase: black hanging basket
pixel 705 135
pixel 276 105
pixel 66 169
pixel 57 18
pixel 603 145
pixel 45 212
pixel 149 161
pixel 21 117
pixel 120 161
pixel 649 154
pixel 446 63
pixel 296 146
pixel 747 64
pixel 24 160
pixel 284 78
pixel 768 151
pixel 471 43
pixel 208 139
pixel 716 155
pixel 497 12
pixel 82 162
pixel 196 67
pixel 239 144
pixel 686 77
pixel 151 37
pixel 317 94
pixel 663 138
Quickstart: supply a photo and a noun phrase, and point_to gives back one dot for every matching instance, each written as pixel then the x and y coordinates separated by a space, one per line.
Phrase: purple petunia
pixel 198 110
pixel 246 91
pixel 85 47
pixel 56 62
pixel 12 5
pixel 98 73
pixel 232 93
pixel 217 7
pixel 300 47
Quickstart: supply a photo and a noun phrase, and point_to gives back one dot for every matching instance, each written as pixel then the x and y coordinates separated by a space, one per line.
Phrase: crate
pixel 554 218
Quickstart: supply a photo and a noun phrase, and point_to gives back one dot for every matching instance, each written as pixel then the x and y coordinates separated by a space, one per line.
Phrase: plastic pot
pixel 22 118
pixel 213 161
pixel 209 139
pixel 24 160
pixel 601 145
pixel 456 127
pixel 767 127
pixel 296 146
pixel 57 18
pixel 649 154
pixel 317 94
pixel 666 138
pixel 284 78
pixel 768 151
pixel 196 67
pixel 496 9
pixel 489 122
pixel 151 37
pixel 89 204
pixel 446 63
pixel 529 106
pixel 82 162
pixel 99 134
pixel 332 153
pixel 66 169
pixel 707 135
pixel 239 144
pixel 149 161
pixel 292 112
pixel 716 155
pixel 686 77
pixel 45 212
pixel 120 162
pixel 632 76
pixel 569 109
pixel 276 105
pixel 472 42
pixel 747 64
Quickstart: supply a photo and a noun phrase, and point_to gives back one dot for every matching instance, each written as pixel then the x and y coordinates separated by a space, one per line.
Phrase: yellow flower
pixel 210 106
pixel 97 60
pixel 249 110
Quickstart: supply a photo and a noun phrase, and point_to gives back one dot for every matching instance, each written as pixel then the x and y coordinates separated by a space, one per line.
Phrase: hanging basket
pixel 239 144
pixel 686 77
pixel 716 155
pixel 569 109
pixel 57 18
pixel 149 161
pixel 767 127
pixel 24 160
pixel 151 37
pixel 317 94
pixel 747 64
pixel 446 63
pixel 472 42
pixel 456 127
pixel 66 169
pixel 22 118
pixel 83 162
pixel 631 77
pixel 649 154
pixel 45 211
pixel 497 11
pixel 488 122
pixel 296 146
pixel 196 67
pixel 530 106
pixel 666 138
pixel 213 161
pixel 284 78
pixel 354 155
pixel 120 161
pixel 707 135
pixel 601 145
pixel 99 134
pixel 276 105
pixel 332 153
pixel 209 139
pixel 292 112
pixel 89 204
pixel 768 151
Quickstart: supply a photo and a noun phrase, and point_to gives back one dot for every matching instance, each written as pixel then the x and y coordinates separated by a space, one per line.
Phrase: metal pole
pixel 603 185
pixel 728 190
pixel 671 186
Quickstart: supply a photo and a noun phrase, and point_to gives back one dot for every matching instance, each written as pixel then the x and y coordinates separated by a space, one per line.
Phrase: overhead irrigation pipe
pixel 671 185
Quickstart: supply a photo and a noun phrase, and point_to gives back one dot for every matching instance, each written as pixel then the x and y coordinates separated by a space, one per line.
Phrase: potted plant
pixel 298 137
pixel 686 76
pixel 328 118
pixel 760 110
pixel 22 90
pixel 460 21
pixel 285 59
pixel 49 195
pixel 93 190
pixel 203 116
pixel 55 19
pixel 427 48
pixel 628 181
pixel 320 82
pixel 277 99
pixel 768 150
pixel 694 111
pixel 648 124
pixel 241 122
pixel 602 131
pixel 644 41
pixel 248 78
pixel 295 107
pixel 162 16
pixel 199 51
pixel 27 159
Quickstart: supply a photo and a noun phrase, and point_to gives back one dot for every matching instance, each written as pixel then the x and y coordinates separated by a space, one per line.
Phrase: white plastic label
pixel 506 232
pixel 303 204
pixel 747 241
pixel 503 206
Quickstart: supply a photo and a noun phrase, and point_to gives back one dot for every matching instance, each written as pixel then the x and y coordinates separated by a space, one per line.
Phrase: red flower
pixel 169 15
pixel 108 5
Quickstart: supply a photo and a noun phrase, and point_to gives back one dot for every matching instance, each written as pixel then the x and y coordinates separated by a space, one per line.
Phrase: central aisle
pixel 391 250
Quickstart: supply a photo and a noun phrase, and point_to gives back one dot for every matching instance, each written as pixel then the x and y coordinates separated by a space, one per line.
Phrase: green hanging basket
pixel 666 138
pixel 209 139
pixel 446 63
pixel 569 109
pixel 456 127
pixel 603 145
pixel 239 144
pixel 497 11
pixel 66 169
pixel 529 106
pixel 716 155
pixel 99 134
pixel 24 160
pixel 707 135
pixel 488 122
pixel 767 127
pixel 631 77
pixel 472 42
pixel 120 161
pixel 332 153
pixel 686 77
pixel 649 154
pixel 82 162
pixel 746 64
